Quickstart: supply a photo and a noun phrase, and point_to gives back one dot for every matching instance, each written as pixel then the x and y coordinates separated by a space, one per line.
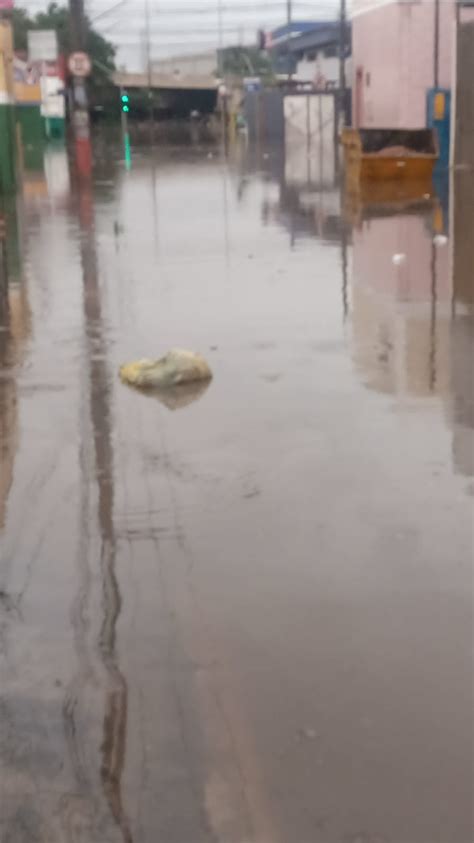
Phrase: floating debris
pixel 176 367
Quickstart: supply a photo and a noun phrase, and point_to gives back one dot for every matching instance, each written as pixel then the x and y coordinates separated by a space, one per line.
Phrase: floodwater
pixel 242 614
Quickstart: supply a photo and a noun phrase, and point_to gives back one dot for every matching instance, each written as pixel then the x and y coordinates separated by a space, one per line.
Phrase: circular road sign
pixel 79 64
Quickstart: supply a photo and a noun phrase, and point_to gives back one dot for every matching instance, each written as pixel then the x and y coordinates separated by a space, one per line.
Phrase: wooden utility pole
pixel 289 11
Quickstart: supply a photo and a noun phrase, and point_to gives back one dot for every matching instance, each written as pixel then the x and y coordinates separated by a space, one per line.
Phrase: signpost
pixel 42 45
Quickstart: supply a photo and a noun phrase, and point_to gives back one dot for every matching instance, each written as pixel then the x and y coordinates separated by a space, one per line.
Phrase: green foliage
pixel 101 51
pixel 246 61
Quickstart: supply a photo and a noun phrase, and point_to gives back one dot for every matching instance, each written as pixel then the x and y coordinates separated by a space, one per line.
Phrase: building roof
pixel 293 29
pixel 306 35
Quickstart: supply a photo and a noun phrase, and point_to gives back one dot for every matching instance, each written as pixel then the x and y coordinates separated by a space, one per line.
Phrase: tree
pixel 56 17
pixel 246 61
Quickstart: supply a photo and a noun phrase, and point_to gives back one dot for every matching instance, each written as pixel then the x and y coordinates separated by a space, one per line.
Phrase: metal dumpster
pixel 389 155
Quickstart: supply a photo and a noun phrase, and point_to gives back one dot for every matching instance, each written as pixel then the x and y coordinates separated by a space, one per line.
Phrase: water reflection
pixel 408 339
pixel 176 397
pixel 97 399
pixel 15 326
pixel 462 327
pixel 290 375
pixel 401 313
pixel 412 324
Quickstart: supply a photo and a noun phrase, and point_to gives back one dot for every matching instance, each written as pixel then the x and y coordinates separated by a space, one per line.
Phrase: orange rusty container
pixel 389 155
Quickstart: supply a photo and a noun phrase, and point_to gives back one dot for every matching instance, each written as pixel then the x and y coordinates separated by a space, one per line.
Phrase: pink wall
pixel 393 44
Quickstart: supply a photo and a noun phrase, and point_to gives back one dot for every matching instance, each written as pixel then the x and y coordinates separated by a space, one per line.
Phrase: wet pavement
pixel 243 615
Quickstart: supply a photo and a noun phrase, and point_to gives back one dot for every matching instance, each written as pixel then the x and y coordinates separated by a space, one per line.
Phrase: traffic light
pixel 125 101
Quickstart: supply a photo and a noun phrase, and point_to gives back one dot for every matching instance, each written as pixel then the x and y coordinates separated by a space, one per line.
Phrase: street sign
pixel 79 64
pixel 42 45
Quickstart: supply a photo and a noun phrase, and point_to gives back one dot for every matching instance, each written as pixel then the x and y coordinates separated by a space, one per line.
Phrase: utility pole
pixel 342 61
pixel 289 17
pixel 436 45
pixel 149 74
pixel 220 54
pixel 78 100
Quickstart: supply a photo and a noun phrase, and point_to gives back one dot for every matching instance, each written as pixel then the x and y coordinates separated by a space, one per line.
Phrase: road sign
pixel 79 64
pixel 42 45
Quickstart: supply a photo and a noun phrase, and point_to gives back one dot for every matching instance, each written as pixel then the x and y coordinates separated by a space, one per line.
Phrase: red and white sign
pixel 79 64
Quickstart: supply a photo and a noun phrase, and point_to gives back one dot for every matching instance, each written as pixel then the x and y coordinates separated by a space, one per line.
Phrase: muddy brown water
pixel 242 614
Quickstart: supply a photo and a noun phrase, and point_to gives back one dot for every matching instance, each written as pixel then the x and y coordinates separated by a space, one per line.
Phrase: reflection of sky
pixel 182 26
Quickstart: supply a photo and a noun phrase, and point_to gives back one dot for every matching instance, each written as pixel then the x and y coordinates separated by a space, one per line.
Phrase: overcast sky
pixel 183 26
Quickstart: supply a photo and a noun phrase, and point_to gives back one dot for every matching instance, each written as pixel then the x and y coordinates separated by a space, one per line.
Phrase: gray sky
pixel 183 26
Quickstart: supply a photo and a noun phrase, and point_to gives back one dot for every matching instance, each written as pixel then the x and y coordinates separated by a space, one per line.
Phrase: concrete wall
pixel 393 60
pixel 198 64
pixel 325 67
pixel 464 105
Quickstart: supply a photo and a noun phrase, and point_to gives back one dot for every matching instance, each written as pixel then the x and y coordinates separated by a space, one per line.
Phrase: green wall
pixel 31 123
pixel 7 148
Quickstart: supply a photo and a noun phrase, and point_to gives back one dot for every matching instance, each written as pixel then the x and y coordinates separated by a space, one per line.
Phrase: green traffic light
pixel 125 98
pixel 125 108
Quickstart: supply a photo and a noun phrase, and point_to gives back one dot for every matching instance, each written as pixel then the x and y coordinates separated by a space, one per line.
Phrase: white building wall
pixel 323 68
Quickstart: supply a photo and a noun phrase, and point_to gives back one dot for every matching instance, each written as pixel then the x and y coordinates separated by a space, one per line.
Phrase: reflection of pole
pixel 113 744
pixel 345 303
pixel 434 297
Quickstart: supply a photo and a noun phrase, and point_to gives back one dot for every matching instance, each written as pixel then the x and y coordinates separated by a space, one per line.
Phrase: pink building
pixel 394 59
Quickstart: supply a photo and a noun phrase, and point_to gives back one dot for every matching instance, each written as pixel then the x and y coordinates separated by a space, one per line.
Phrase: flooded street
pixel 243 614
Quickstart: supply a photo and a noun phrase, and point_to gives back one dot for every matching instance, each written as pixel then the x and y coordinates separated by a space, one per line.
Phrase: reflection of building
pixel 413 321
pixel 462 329
pixel 401 312
pixel 14 330
pixel 307 212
